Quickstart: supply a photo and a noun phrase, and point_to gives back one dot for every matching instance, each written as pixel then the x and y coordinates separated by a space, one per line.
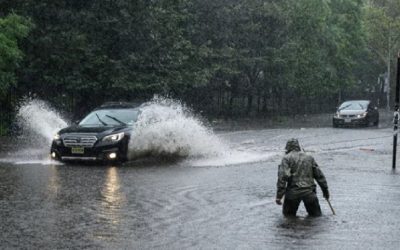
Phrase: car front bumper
pixel 115 152
pixel 338 121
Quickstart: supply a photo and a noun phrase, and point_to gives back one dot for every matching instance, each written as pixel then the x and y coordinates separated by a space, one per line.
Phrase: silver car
pixel 356 113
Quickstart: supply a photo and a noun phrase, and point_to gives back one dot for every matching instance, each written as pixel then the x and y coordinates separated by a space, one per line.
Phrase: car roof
pixel 357 101
pixel 119 105
pixel 365 100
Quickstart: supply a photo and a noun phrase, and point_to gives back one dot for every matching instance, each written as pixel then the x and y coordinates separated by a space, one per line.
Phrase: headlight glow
pixel 112 155
pixel 337 114
pixel 56 137
pixel 114 137
pixel 362 115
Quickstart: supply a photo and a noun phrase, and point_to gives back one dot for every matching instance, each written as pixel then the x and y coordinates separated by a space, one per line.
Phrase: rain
pixel 166 124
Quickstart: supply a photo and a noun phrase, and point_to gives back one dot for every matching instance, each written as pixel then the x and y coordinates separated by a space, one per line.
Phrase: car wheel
pixel 368 123
pixel 376 123
pixel 334 125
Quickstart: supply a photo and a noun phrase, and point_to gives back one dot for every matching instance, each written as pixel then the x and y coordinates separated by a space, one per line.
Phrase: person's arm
pixel 283 176
pixel 321 180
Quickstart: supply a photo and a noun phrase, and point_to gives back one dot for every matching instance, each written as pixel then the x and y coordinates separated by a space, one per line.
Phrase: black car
pixel 356 113
pixel 103 135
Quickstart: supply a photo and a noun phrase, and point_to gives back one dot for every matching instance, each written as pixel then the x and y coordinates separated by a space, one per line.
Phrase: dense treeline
pixel 227 58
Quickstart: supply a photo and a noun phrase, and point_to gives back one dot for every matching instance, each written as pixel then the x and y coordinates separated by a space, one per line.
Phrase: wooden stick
pixel 333 211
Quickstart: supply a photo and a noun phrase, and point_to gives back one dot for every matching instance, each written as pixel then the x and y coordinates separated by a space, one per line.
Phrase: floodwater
pixel 206 203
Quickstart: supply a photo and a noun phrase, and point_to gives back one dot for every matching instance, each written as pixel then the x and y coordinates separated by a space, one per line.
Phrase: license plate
pixel 78 150
pixel 347 120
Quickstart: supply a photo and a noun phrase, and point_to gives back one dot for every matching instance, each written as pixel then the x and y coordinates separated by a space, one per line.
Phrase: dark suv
pixel 103 135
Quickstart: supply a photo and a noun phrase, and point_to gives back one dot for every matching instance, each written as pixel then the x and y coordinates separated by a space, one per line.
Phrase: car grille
pixel 348 116
pixel 80 140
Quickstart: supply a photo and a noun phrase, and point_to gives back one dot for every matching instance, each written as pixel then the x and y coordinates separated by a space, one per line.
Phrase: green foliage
pixel 3 129
pixel 12 29
pixel 228 57
pixel 325 39
pixel 382 26
pixel 382 29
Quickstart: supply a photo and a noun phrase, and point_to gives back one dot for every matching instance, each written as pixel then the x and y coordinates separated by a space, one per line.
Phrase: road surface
pixel 218 203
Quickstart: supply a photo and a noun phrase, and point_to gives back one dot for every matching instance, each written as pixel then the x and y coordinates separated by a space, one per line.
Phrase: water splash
pixel 38 122
pixel 231 157
pixel 167 128
pixel 37 118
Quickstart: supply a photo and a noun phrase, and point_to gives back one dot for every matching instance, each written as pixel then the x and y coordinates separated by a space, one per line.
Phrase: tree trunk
pixel 388 84
pixel 264 108
pixel 249 103
pixel 388 73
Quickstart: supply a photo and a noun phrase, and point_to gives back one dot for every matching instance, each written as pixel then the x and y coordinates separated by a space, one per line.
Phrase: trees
pixel 95 51
pixel 382 25
pixel 228 57
pixel 323 48
pixel 13 28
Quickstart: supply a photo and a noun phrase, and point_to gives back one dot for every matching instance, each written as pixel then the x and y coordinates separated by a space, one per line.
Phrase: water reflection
pixel 112 200
pixel 53 185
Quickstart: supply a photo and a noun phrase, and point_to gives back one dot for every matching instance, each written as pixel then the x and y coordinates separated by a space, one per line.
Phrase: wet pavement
pixel 187 205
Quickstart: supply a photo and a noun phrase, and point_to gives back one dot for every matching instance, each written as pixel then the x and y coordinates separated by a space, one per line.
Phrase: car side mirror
pixel 76 122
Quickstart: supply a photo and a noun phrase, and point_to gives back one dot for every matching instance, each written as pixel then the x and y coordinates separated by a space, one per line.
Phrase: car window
pixel 354 105
pixel 111 117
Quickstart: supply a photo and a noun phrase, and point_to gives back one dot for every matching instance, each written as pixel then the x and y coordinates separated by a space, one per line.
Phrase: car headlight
pixel 56 136
pixel 114 137
pixel 337 114
pixel 362 115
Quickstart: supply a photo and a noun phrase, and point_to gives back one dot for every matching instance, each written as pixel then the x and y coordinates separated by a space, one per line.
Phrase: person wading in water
pixel 296 176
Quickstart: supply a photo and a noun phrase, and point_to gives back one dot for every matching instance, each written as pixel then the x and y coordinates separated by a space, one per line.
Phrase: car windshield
pixel 110 117
pixel 354 105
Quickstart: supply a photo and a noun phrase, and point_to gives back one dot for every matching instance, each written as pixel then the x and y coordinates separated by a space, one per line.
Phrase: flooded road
pixel 206 203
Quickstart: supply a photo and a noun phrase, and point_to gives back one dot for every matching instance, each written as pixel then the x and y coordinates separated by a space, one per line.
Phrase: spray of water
pixel 38 118
pixel 167 128
pixel 38 122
